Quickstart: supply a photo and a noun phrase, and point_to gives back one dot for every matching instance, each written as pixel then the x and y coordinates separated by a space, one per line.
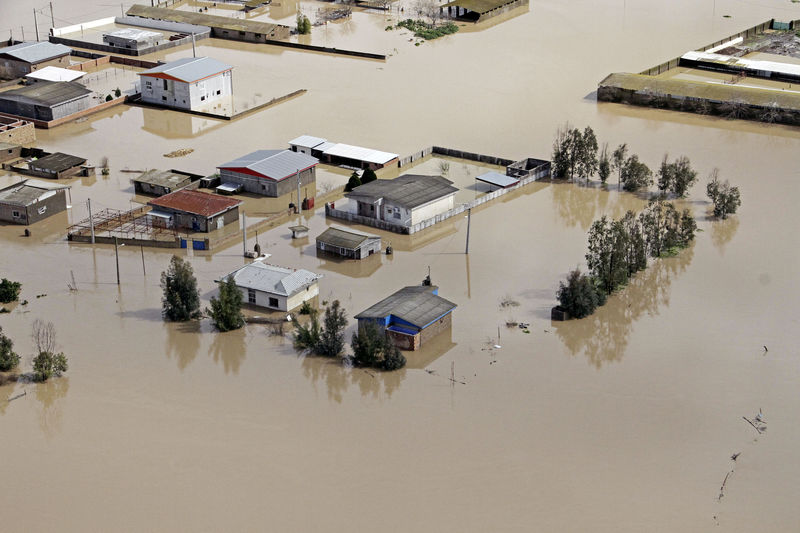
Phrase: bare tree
pixel 44 336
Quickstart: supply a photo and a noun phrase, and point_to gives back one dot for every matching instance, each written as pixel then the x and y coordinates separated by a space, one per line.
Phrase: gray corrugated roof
pixel 273 279
pixel 189 69
pixel 163 178
pixel 58 162
pixel 495 178
pixel 416 305
pixel 47 93
pixel 344 237
pixel 307 141
pixel 23 194
pixel 273 164
pixel 35 52
pixel 134 34
pixel 409 190
pixel 213 21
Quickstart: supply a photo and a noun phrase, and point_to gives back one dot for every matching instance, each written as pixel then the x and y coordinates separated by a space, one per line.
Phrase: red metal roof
pixel 195 202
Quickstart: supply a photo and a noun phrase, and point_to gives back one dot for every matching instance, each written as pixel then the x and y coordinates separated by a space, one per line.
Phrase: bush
pixel 579 296
pixel 117 92
pixel 109 98
pixel 306 308
pixel 306 338
pixel 372 349
pixel 353 182
pixel 326 340
pixel 9 291
pixel 368 175
pixel 726 198
pixel 48 364
pixel 303 24
pixel 181 300
pixel 8 359
pixel 226 311
pixel 427 31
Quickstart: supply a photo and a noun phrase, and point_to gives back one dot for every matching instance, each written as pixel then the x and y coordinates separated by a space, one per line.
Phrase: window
pixel 397 214
pixel 148 84
pixel 15 214
pixel 273 302
pixel 241 33
pixel 165 85
pixel 219 91
pixel 251 296
pixel 202 98
pixel 164 98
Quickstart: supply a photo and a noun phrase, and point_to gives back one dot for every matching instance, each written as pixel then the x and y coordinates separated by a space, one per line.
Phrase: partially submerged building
pixel 348 243
pixel 405 200
pixel 195 210
pixel 133 38
pixel 270 172
pixel 191 83
pixel 46 100
pixel 57 165
pixel 479 10
pixel 274 287
pixel 30 201
pixel 341 154
pixel 17 131
pixel 411 316
pixel 21 59
pixel 161 182
pixel 9 152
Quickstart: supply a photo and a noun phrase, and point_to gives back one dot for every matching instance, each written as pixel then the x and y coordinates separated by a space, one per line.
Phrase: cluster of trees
pixel 47 362
pixel 371 348
pixel 574 153
pixel 354 181
pixel 726 197
pixel 303 24
pixel 617 249
pixel 8 358
pixel 9 290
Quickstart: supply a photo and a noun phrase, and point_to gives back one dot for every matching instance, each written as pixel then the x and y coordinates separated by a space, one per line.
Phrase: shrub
pixel 181 300
pixel 368 175
pixel 226 311
pixel 48 364
pixel 726 197
pixel 371 348
pixel 117 92
pixel 8 359
pixel 353 182
pixel 9 290
pixel 306 338
pixel 579 296
pixel 306 308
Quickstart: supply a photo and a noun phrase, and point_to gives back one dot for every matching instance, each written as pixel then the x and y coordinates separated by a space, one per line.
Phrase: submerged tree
pixel 9 290
pixel 181 300
pixel 604 163
pixel 579 296
pixel 618 161
pixel 372 348
pixel 303 24
pixel 369 175
pixel 226 311
pixel 676 177
pixel 8 358
pixel 574 153
pixel 726 197
pixel 635 175
pixel 306 337
pixel 331 339
pixel 47 363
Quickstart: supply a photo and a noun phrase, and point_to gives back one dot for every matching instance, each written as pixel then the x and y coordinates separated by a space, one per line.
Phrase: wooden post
pixel 116 255
pixel 469 219
pixel 141 249
pixel 91 220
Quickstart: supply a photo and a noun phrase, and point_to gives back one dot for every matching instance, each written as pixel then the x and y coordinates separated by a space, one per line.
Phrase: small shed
pixel 52 73
pixel 133 38
pixel 161 182
pixel 274 287
pixel 495 179
pixel 9 152
pixel 21 59
pixel 306 144
pixel 348 243
pixel 299 231
pixel 30 201
pixel 357 156
pixel 271 172
pixel 195 210
pixel 56 166
pixel 410 316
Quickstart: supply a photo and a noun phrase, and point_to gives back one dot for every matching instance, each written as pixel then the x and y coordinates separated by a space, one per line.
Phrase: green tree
pixel 9 290
pixel 586 156
pixel 368 175
pixel 604 164
pixel 726 198
pixel 226 311
pixel 618 158
pixel 303 24
pixel 676 177
pixel 181 300
pixel 372 348
pixel 606 257
pixel 117 92
pixel 579 296
pixel 392 358
pixel 306 337
pixel 635 174
pixel 562 152
pixel 353 182
pixel 8 358
pixel 636 249
pixel 331 339
pixel 47 363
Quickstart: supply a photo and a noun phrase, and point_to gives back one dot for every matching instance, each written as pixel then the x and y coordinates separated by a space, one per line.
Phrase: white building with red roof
pixel 192 83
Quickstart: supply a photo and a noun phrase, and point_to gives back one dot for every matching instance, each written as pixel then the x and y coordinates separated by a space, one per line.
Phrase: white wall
pixel 284 304
pixel 186 95
pixel 432 209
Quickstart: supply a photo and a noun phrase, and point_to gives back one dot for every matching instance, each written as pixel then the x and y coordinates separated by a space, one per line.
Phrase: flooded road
pixel 625 421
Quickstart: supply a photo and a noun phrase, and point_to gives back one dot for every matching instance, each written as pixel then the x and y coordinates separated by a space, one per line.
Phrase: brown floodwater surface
pixel 624 421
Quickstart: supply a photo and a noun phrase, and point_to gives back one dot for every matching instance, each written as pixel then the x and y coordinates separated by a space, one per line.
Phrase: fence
pixel 459 154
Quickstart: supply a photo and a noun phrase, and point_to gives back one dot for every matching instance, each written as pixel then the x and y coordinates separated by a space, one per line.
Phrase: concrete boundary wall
pixel 57 32
pixel 327 50
pixel 459 154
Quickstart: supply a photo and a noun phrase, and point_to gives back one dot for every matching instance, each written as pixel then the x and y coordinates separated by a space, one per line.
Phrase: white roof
pixel 495 178
pixel 55 74
pixel 273 279
pixel 273 164
pixel 740 62
pixel 359 153
pixel 229 187
pixel 35 52
pixel 133 33
pixel 189 69
pixel 307 141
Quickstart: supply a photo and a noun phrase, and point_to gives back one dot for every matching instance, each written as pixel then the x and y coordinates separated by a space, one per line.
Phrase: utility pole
pixel 141 249
pixel 244 233
pixel 194 53
pixel 469 218
pixel 36 25
pixel 122 9
pixel 91 220
pixel 116 255
pixel 52 18
pixel 299 205
pixel 22 28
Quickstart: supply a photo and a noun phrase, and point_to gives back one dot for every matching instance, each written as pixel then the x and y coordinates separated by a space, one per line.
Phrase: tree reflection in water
pixel 722 231
pixel 338 378
pixel 183 341
pixel 230 348
pixel 50 395
pixel 577 205
pixel 603 336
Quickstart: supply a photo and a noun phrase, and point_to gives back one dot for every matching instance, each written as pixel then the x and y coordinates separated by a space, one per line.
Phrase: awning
pixel 160 214
pixel 229 187
pixel 497 179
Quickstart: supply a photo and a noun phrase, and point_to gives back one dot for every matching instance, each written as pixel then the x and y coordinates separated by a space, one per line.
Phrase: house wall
pixel 203 92
pixel 200 223
pixel 33 170
pixel 432 209
pixel 49 206
pixel 404 341
pixel 297 300
pixel 17 131
pixel 10 153
pixel 44 112
pixel 12 68
pixel 284 303
pixel 443 324
pixel 395 214
pixel 268 187
pixel 133 44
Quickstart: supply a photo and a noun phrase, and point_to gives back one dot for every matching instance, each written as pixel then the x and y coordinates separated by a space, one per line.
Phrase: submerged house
pixel 133 38
pixel 23 58
pixel 195 210
pixel 411 316
pixel 274 287
pixel 406 200
pixel 31 201
pixel 270 172
pixel 46 100
pixel 348 243
pixel 191 83
pixel 57 166
pixel 161 182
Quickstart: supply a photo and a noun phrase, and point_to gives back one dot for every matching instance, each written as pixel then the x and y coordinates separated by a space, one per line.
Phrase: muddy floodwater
pixel 624 421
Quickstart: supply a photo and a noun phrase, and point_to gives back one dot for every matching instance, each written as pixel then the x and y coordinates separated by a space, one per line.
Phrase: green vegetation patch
pixel 423 30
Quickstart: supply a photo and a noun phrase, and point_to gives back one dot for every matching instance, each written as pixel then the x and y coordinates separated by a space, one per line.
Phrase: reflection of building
pixel 411 316
pixel 21 59
pixel 406 200
pixel 348 243
pixel 31 201
pixel 46 100
pixel 270 172
pixel 188 83
pixel 195 210
pixel 275 287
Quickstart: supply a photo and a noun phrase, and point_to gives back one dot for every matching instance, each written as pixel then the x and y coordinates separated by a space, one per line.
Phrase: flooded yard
pixel 624 421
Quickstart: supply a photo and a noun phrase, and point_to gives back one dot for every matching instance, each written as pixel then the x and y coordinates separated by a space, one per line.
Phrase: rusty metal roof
pixel 195 203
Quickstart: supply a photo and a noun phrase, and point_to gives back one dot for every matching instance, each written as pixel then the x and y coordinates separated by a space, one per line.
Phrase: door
pixel 220 223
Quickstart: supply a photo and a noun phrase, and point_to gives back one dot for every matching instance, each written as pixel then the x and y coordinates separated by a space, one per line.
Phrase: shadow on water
pixel 50 395
pixel 183 342
pixel 603 336
pixel 230 348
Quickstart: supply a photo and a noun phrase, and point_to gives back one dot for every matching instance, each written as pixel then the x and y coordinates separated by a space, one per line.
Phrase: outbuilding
pixel 46 100
pixel 9 152
pixel 271 172
pixel 21 59
pixel 161 182
pixel 411 316
pixel 274 287
pixel 195 210
pixel 350 156
pixel 191 83
pixel 133 38
pixel 348 243
pixel 30 201
pixel 56 166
